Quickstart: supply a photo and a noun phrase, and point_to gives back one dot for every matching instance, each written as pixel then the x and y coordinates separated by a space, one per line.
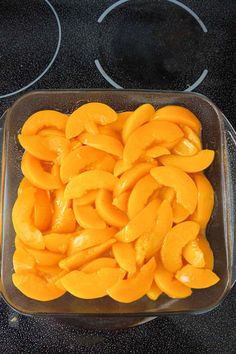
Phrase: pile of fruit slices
pixel 113 204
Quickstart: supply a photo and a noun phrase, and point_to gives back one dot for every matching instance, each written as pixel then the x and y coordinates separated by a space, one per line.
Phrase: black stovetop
pixel 155 44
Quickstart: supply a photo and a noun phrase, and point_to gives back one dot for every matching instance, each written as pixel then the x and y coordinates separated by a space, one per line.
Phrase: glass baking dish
pixel 217 134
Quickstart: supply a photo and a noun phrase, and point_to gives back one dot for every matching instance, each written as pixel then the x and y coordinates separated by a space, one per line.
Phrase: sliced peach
pixel 134 288
pixel 157 151
pixel 44 119
pixel 196 163
pixel 207 251
pixel 82 184
pixel 107 163
pixel 143 222
pixel 121 166
pixel 179 213
pixel 75 143
pixel 45 258
pixel 121 201
pixel 88 198
pixel 96 264
pixel 185 188
pixel 22 221
pixel 140 194
pixel 178 115
pixel 19 243
pixel 51 132
pixel 141 246
pixel 42 210
pixel 108 130
pixel 24 184
pixel 197 278
pixel 79 160
pixel 103 142
pixel 131 177
pixel 174 242
pixel 168 284
pixel 23 261
pixel 192 136
pixel 33 170
pixel 88 217
pixel 89 114
pixel 185 148
pixel 141 115
pixel 57 242
pixel 77 259
pixel 124 254
pixel 193 254
pixel 109 212
pixel 49 273
pixel 166 193
pixel 92 285
pixel 119 123
pixel 163 224
pixel 205 200
pixel 34 287
pixel 154 292
pixel 89 238
pixel 148 134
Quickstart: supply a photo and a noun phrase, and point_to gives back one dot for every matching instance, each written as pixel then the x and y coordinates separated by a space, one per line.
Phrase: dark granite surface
pixel 140 44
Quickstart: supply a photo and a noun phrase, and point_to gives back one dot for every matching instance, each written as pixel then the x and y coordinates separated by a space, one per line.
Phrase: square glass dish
pixel 217 134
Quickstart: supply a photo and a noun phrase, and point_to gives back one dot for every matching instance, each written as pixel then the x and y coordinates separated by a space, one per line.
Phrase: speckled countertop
pixel 157 44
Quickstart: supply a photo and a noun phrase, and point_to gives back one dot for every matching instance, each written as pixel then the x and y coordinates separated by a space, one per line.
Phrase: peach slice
pixel 196 163
pixel 141 115
pixel 143 222
pixel 92 113
pixel 22 221
pixel 179 213
pixel 108 130
pixel 96 264
pixel 134 288
pixel 121 201
pixel 163 224
pixel 34 287
pixel 88 217
pixel 23 261
pixel 103 142
pixel 87 199
pixel 107 163
pixel 178 115
pixel 57 242
pixel 157 151
pixel 109 212
pixel 92 285
pixel 119 123
pixel 89 238
pixel 82 184
pixel 207 251
pixel 140 194
pixel 121 166
pixel 131 177
pixel 45 258
pixel 79 160
pixel 148 134
pixel 24 184
pixel 33 170
pixel 193 254
pixel 185 188
pixel 141 246
pixel 205 201
pixel 77 259
pixel 192 136
pixel 168 284
pixel 124 254
pixel 154 292
pixel 197 278
pixel 185 148
pixel 18 243
pixel 51 132
pixel 166 193
pixel 42 214
pixel 174 242
pixel 44 119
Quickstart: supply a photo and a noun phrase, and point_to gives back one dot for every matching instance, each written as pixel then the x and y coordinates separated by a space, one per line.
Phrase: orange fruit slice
pixel 45 258
pixel 157 151
pixel 179 213
pixel 207 251
pixel 197 278
pixel 42 214
pixel 185 148
pixel 120 167
pixel 88 198
pixel 121 201
pixel 124 254
pixel 23 261
pixel 192 136
pixel 103 142
pixel 88 217
pixel 119 123
pixel 193 254
pixel 97 264
pixel 154 292
pixel 57 243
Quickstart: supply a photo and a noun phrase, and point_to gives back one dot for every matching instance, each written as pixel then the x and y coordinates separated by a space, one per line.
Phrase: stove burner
pixel 169 60
pixel 27 63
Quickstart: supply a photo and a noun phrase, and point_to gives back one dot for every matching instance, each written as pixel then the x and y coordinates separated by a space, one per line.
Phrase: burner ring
pixel 51 61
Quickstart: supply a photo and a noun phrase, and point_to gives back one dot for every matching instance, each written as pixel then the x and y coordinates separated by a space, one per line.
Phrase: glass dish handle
pixel 230 155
